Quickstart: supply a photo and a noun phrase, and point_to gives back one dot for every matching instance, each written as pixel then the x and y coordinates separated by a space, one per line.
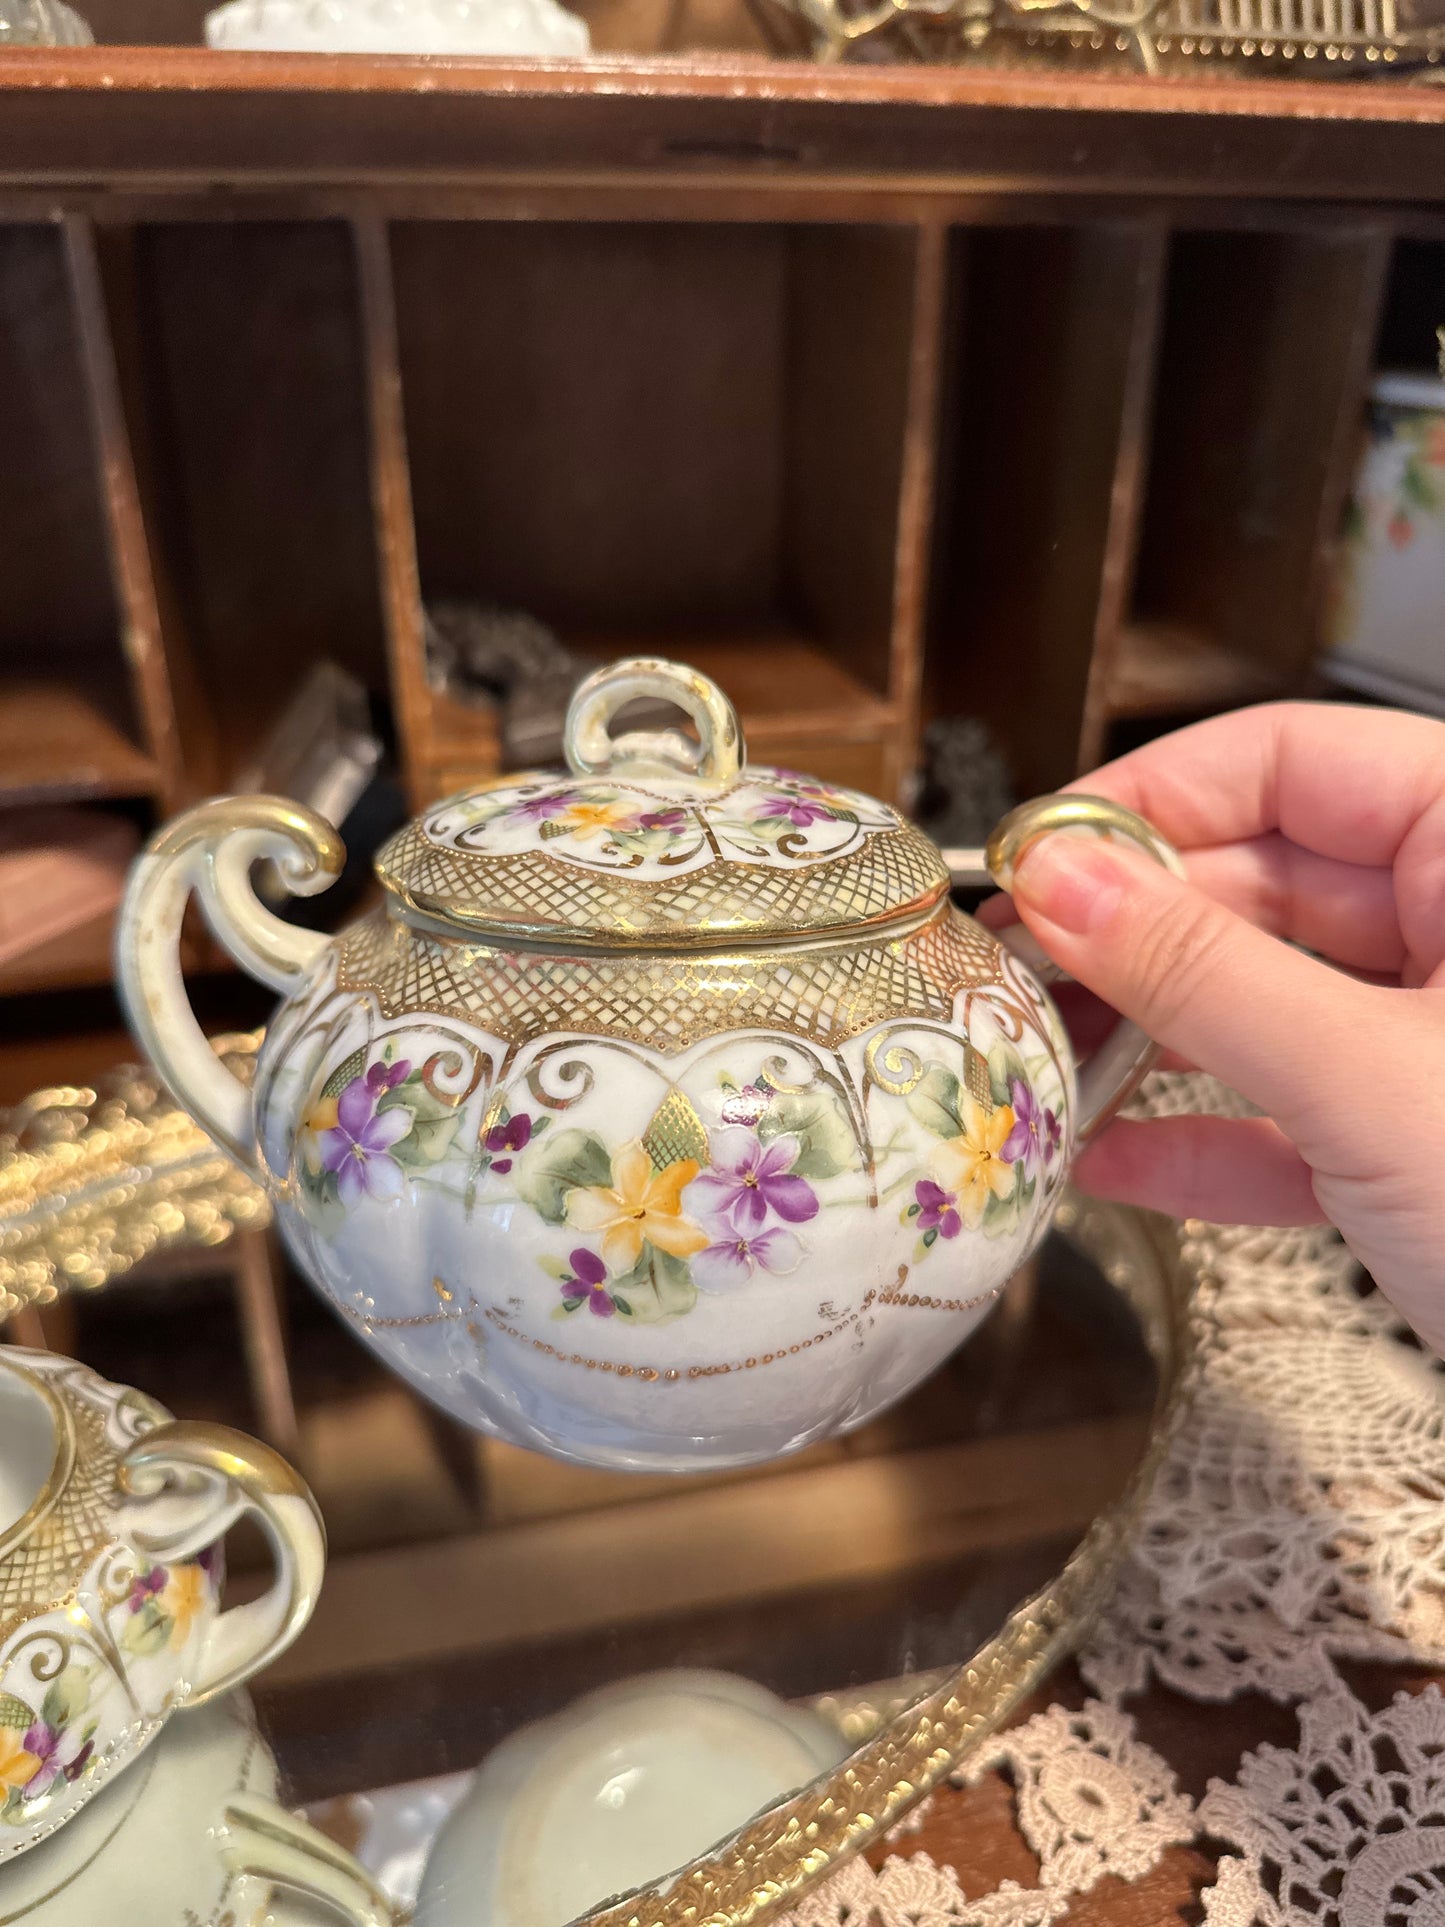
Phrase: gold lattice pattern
pixel 48 1563
pixel 668 1002
pixel 892 870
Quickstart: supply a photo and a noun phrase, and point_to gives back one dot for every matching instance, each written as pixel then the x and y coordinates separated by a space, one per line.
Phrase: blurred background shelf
pixel 58 745
pixel 1166 669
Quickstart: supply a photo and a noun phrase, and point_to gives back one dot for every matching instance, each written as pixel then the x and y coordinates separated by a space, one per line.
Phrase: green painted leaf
pixel 557 1268
pixel 820 1123
pixel 1001 1215
pixel 66 1697
pixel 15 1714
pixel 428 1140
pixel 676 1293
pixel 146 1632
pixel 1004 1065
pixel 936 1101
pixel 568 1159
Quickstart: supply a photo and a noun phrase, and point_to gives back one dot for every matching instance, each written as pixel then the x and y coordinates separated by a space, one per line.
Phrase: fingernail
pixel 1074 881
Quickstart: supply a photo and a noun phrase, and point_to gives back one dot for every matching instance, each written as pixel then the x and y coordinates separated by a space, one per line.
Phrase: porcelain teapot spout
pixel 666 1113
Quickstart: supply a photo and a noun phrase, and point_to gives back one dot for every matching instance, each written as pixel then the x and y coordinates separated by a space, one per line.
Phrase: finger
pixel 1342 781
pixel 1281 1028
pixel 1089 1021
pixel 1087 1018
pixel 1228 1170
pixel 1343 910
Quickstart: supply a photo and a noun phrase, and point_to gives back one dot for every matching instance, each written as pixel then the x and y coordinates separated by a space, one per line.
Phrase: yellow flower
pixel 586 820
pixel 17 1767
pixel 182 1599
pixel 971 1165
pixel 321 1117
pixel 639 1204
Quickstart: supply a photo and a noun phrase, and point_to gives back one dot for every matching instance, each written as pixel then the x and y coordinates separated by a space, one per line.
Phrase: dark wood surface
pixel 182 116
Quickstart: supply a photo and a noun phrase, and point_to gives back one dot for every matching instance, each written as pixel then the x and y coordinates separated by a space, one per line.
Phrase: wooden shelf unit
pixel 879 394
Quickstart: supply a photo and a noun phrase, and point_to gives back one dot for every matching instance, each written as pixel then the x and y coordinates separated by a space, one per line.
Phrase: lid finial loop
pixel 711 763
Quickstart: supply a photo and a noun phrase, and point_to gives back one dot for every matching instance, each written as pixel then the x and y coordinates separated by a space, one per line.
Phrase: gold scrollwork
pixel 892 1066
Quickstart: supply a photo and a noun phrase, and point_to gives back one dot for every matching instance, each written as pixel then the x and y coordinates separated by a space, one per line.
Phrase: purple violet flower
pixel 1035 1135
pixel 43 1742
pixel 588 1281
pixel 146 1586
pixel 749 1178
pixel 537 809
pixel 669 820
pixel 936 1208
pixel 358 1149
pixel 514 1135
pixel 731 1260
pixel 800 811
pixel 382 1077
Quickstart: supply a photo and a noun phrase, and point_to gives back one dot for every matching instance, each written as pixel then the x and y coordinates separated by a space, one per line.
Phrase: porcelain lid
pixel 654 840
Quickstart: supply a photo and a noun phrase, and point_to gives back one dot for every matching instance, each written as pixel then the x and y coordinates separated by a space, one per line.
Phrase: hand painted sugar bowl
pixel 665 1114
pixel 111 1517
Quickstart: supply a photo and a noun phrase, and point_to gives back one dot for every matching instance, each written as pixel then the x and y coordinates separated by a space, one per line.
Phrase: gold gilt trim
pixel 44 1556
pixel 537 895
pixel 825 994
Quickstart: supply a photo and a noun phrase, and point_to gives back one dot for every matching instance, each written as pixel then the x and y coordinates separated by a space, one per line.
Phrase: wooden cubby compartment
pixel 1047 366
pixel 684 439
pixel 68 724
pixel 1263 362
pixel 247 386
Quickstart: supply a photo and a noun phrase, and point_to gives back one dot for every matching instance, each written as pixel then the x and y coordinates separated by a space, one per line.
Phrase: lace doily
pixel 1298 1524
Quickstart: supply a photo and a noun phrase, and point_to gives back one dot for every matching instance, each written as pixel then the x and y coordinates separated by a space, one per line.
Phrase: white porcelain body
pixel 455 1267
pixel 1387 629
pixel 111 1519
pixel 667 1116
pixel 614 1793
pixel 157 1849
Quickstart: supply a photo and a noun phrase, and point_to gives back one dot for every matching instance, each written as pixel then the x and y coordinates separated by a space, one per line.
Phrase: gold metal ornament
pixel 94 1179
pixel 1337 38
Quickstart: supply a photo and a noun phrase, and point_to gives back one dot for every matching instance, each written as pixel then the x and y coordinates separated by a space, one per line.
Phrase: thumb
pixel 1278 1026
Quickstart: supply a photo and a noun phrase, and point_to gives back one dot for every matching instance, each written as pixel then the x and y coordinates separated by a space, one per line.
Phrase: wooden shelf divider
pixel 125 518
pixel 913 561
pixel 1126 490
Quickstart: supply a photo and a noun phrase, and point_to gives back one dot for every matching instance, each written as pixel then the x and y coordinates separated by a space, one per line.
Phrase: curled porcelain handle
pixel 712 762
pixel 1114 1072
pixel 209 850
pixel 185 1485
pixel 260 1839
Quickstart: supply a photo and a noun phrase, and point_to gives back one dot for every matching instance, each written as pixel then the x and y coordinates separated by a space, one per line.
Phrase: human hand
pixel 1321 824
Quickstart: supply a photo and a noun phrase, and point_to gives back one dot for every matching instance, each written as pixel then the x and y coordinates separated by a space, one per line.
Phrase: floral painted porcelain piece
pixel 192 1836
pixel 665 1114
pixel 110 1575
